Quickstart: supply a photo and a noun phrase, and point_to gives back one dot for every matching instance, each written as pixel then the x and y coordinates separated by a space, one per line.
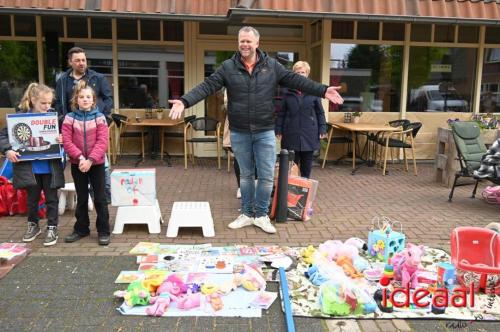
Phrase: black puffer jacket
pixel 23 171
pixel 250 96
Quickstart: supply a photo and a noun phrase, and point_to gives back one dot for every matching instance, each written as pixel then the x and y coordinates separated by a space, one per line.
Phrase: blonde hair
pixel 82 85
pixel 33 91
pixel 302 65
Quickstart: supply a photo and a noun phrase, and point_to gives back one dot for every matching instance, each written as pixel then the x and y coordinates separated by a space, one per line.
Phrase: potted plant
pixel 159 113
pixel 356 115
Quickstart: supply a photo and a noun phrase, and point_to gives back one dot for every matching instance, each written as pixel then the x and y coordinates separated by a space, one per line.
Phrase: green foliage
pixel 18 61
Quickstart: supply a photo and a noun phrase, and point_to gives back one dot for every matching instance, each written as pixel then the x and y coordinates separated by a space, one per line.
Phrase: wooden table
pixel 161 124
pixel 356 128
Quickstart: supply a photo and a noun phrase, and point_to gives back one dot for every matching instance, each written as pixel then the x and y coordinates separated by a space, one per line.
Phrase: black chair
pixel 406 141
pixel 375 137
pixel 121 121
pixel 179 133
pixel 201 124
pixel 336 140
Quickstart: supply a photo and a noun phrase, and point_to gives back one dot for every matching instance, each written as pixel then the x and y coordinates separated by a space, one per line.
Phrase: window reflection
pixel 440 79
pixel 370 76
pixel 18 68
pixel 490 84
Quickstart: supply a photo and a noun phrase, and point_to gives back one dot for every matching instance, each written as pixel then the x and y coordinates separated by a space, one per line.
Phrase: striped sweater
pixel 85 134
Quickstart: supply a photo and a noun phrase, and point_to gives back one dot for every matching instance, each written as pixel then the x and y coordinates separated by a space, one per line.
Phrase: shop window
pixel 52 24
pixel 150 30
pixel 492 35
pixel 421 32
pixel 370 76
pixel 368 30
pixel 440 79
pixel 393 31
pixel 101 28
pixel 444 33
pixel 127 29
pixel 24 25
pixel 468 34
pixel 490 83
pixel 173 30
pixel 77 27
pixel 5 25
pixel 343 29
pixel 18 67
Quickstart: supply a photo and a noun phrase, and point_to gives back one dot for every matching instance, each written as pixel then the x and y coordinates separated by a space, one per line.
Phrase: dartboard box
pixel 34 135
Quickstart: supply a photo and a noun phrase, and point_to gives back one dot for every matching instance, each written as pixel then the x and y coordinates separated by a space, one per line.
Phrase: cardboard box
pixel 133 187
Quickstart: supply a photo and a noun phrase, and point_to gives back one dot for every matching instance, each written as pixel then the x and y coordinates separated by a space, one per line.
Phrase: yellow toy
pixel 308 254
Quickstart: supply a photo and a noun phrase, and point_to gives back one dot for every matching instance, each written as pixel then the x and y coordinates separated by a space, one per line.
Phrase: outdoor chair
pixel 179 133
pixel 470 152
pixel 201 125
pixel 336 140
pixel 405 141
pixel 121 121
pixel 375 137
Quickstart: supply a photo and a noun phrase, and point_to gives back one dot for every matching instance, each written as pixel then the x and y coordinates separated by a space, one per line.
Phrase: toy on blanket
pixel 189 300
pixel 136 294
pixel 251 279
pixel 167 292
pixel 384 242
pixel 341 299
pixel 407 265
pixel 308 254
pixel 346 255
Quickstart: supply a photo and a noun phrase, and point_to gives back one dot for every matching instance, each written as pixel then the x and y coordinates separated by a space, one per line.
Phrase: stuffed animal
pixel 159 305
pixel 168 291
pixel 407 265
pixel 308 254
pixel 357 242
pixel 136 294
pixel 189 300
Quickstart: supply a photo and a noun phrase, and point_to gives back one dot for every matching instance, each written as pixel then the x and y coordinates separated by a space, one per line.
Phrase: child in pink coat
pixel 85 136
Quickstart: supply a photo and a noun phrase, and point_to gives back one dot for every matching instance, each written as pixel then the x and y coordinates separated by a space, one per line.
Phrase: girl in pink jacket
pixel 85 137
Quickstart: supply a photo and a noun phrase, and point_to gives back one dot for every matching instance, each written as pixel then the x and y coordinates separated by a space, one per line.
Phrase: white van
pixel 428 98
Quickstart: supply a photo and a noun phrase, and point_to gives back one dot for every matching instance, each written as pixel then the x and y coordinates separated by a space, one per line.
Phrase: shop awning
pixel 486 11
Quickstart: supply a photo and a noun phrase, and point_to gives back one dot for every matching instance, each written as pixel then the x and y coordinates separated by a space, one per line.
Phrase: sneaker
pixel 241 221
pixel 238 193
pixel 32 232
pixel 264 223
pixel 51 237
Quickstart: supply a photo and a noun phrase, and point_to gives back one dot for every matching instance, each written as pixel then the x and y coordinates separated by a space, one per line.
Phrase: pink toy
pixel 159 305
pixel 168 291
pixel 407 265
pixel 335 249
pixel 189 300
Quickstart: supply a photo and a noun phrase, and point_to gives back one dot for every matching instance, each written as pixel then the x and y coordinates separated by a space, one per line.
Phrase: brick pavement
pixel 345 206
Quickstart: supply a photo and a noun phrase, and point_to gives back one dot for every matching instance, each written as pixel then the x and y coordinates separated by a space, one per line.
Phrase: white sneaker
pixel 241 221
pixel 238 193
pixel 264 223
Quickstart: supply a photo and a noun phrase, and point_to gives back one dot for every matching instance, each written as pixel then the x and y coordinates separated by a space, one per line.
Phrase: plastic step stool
pixel 140 214
pixel 67 198
pixel 191 214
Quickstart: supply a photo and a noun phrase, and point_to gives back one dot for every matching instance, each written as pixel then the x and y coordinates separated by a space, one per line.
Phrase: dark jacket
pixel 64 92
pixel 250 96
pixel 23 171
pixel 300 121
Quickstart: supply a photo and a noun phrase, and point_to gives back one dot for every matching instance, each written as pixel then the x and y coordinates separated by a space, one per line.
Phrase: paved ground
pixel 70 292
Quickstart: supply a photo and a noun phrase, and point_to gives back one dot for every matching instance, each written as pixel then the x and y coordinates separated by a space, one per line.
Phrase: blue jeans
pixel 255 151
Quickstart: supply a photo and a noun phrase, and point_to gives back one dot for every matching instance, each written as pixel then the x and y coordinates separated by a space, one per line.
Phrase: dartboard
pixel 22 132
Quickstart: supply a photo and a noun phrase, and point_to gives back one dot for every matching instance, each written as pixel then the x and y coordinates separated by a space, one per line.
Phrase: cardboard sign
pixel 34 135
pixel 133 187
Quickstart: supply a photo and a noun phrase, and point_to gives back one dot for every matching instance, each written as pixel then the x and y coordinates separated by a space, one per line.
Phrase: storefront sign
pixel 439 68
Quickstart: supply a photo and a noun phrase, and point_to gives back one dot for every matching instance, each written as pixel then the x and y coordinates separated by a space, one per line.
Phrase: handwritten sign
pixel 133 187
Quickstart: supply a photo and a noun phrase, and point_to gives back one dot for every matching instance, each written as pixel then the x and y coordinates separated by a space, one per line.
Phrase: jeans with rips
pixel 255 152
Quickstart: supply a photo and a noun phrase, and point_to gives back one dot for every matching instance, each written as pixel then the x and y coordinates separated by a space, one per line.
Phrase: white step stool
pixel 67 198
pixel 191 214
pixel 144 214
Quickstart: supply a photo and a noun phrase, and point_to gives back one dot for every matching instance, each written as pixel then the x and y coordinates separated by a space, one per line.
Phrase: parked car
pixel 428 98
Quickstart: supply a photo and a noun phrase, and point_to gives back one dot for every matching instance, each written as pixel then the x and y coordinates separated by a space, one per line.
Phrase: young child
pixel 85 134
pixel 37 175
